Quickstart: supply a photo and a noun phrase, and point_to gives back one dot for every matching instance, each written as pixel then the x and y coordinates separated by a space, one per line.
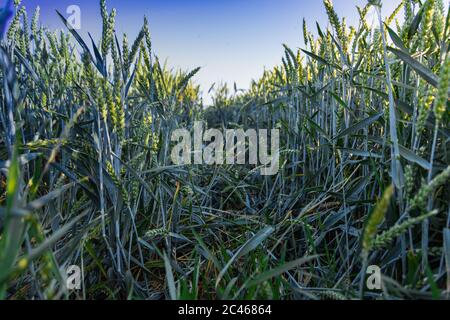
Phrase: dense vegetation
pixel 86 175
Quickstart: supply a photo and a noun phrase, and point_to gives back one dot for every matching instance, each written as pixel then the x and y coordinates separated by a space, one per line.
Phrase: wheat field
pixel 86 176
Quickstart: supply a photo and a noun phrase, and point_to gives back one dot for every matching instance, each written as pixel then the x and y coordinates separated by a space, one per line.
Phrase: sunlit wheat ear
pixel 438 19
pixel 427 24
pixel 394 14
pixel 375 219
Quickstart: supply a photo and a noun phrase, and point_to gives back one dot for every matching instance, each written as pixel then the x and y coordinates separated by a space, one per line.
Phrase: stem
pixel 396 168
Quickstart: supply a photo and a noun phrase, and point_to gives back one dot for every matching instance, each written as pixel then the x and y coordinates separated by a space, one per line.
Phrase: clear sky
pixel 232 40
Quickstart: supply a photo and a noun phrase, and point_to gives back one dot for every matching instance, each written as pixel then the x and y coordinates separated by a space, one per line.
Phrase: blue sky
pixel 232 40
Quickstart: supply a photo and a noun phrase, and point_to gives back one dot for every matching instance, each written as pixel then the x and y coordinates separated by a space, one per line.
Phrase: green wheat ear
pixel 332 295
pixel 334 20
pixel 375 219
pixel 427 24
pixel 442 92
pixel 439 19
pixel 420 199
pixel 394 14
pixel 151 234
pixel 305 32
pixel 388 236
pixel 375 3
